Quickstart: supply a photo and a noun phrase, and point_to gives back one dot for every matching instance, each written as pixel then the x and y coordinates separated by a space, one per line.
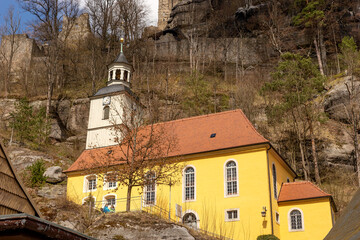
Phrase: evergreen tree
pixel 296 82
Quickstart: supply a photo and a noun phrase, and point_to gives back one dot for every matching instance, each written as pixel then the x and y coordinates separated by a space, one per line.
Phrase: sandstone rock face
pixel 52 192
pixel 23 157
pixel 54 174
pixel 336 103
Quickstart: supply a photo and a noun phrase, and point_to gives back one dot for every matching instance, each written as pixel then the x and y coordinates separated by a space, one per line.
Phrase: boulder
pixel 54 174
pixel 336 101
pixel 56 130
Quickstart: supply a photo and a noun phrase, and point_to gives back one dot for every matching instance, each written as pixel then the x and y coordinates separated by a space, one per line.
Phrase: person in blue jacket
pixel 106 209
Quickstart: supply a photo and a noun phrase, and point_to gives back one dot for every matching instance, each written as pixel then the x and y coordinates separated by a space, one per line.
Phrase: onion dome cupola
pixel 119 72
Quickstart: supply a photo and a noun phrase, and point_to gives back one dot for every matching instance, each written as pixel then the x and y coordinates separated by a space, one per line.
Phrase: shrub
pixel 28 124
pixel 37 170
pixel 267 237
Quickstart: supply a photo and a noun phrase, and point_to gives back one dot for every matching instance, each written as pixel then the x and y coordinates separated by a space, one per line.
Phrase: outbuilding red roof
pixel 193 135
pixel 300 191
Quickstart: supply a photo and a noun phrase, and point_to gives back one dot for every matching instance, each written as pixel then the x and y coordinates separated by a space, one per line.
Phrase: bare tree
pixel 141 151
pixel 350 57
pixel 10 46
pixel 47 25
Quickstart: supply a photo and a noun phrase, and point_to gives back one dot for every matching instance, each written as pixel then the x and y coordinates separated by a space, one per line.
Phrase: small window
pixel 111 180
pixel 231 178
pixel 106 113
pixel 277 217
pixel 111 75
pixel 287 180
pixel 150 191
pixel 117 74
pixel 110 200
pixel 232 215
pixel 190 220
pixel 189 184
pixel 91 183
pixel 89 201
pixel 125 75
pixel 296 220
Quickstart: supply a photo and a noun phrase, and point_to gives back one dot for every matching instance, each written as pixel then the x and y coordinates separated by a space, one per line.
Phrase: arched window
pixel 117 74
pixel 106 112
pixel 189 187
pixel 231 178
pixel 89 201
pixel 110 181
pixel 274 180
pixel 111 75
pixel 190 220
pixel 125 75
pixel 90 183
pixel 110 200
pixel 150 191
pixel 296 220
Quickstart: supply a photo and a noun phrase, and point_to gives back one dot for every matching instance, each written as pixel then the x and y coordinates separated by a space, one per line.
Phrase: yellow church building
pixel 233 182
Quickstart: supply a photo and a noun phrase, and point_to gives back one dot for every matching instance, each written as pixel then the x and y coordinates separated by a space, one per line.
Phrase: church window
pixel 231 215
pixel 110 200
pixel 231 178
pixel 89 201
pixel 125 75
pixel 274 180
pixel 296 221
pixel 111 75
pixel 150 189
pixel 90 183
pixel 189 187
pixel 117 74
pixel 106 112
pixel 190 220
pixel 111 181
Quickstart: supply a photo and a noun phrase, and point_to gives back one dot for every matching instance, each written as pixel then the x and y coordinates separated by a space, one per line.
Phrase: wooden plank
pixel 9 184
pixel 5 167
pixel 7 211
pixel 15 202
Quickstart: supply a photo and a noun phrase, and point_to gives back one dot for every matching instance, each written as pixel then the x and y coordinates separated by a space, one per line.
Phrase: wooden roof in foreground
pixel 13 197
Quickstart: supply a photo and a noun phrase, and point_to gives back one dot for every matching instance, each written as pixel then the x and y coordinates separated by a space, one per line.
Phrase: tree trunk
pixel 313 150
pixel 322 51
pixel 318 55
pixel 128 198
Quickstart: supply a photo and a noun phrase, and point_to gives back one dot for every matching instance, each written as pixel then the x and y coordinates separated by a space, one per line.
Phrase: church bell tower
pixel 107 104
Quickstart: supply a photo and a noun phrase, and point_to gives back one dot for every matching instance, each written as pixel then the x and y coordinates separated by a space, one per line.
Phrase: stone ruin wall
pixel 245 51
pixel 25 50
pixel 164 11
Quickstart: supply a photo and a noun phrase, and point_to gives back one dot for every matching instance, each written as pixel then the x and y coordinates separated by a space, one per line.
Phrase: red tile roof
pixel 300 191
pixel 232 129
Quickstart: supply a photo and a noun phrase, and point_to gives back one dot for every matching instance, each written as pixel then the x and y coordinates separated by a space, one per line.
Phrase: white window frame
pixel 106 183
pixel 274 180
pixel 302 221
pixel 107 195
pixel 144 194
pixel 196 215
pixel 232 219
pixel 83 200
pixel 184 184
pixel 226 195
pixel 86 183
pixel 277 219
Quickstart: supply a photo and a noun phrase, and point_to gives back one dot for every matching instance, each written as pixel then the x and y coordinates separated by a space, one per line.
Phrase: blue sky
pixel 150 5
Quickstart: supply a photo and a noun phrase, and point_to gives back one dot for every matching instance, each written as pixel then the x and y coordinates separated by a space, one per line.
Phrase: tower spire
pixel 121 44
